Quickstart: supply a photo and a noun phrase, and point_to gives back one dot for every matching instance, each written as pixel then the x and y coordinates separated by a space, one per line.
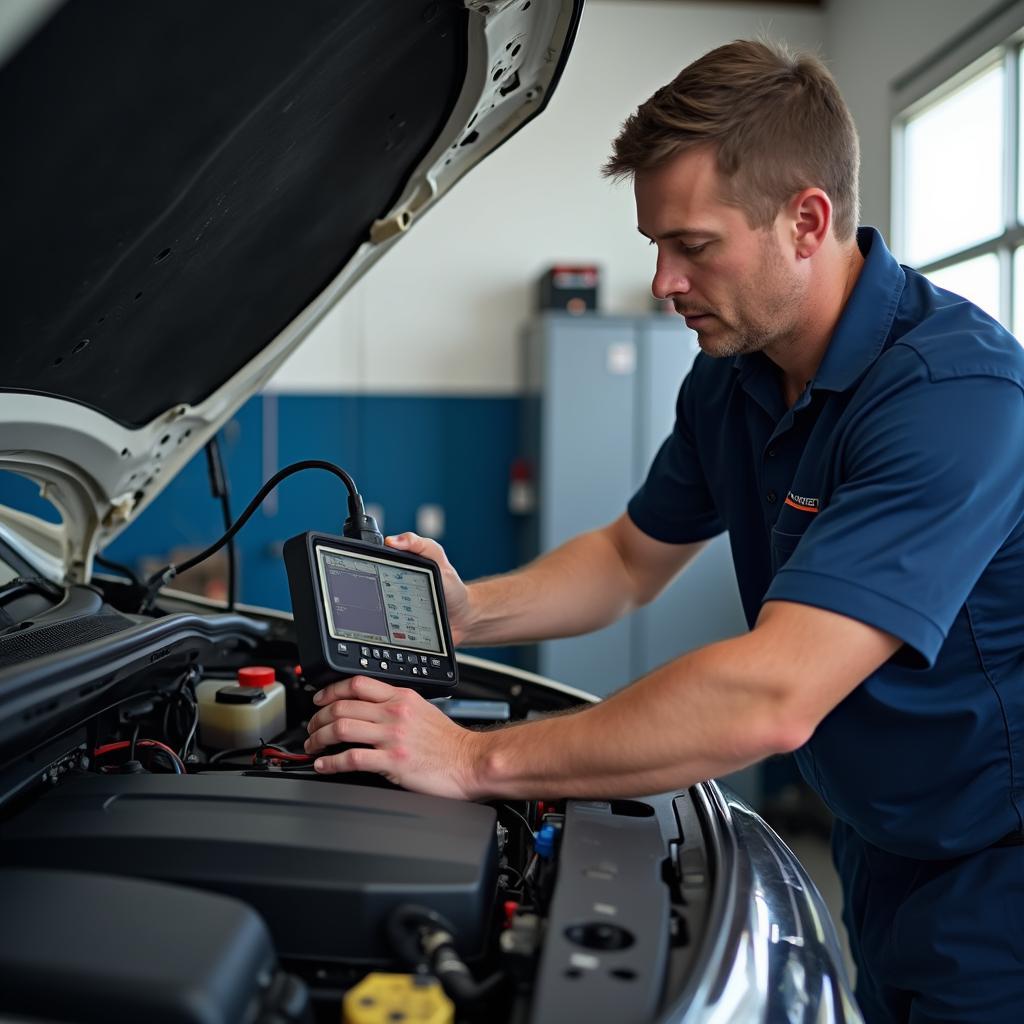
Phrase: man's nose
pixel 669 281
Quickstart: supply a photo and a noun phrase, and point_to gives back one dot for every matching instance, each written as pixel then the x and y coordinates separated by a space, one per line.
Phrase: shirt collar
pixel 867 318
pixel 865 322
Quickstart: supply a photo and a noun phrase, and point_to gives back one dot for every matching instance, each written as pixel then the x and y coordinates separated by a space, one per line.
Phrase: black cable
pixel 424 938
pixel 124 570
pixel 135 739
pixel 219 489
pixel 173 703
pixel 357 515
pixel 167 719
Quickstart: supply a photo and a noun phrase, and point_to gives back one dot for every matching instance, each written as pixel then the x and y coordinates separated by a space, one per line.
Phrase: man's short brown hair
pixel 776 121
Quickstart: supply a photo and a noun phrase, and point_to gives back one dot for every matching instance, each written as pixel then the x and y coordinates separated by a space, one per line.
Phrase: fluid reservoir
pixel 241 714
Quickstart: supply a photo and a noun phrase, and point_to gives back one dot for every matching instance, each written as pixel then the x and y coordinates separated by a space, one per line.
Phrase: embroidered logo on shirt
pixel 803 504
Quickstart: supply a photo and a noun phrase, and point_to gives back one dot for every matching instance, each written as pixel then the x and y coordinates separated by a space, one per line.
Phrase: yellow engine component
pixel 380 998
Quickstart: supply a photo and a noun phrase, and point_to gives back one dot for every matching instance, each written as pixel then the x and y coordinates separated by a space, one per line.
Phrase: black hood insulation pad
pixel 183 178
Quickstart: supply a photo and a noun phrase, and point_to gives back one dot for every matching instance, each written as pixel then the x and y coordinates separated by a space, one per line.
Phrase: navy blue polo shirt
pixel 891 492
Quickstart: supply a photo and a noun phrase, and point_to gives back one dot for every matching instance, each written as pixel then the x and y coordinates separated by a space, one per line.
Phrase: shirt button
pixel 771 497
pixel 771 453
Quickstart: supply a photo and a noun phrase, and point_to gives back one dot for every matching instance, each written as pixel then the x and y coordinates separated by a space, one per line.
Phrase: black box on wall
pixel 571 288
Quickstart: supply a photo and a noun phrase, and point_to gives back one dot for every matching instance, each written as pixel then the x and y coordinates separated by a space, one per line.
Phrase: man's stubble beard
pixel 776 295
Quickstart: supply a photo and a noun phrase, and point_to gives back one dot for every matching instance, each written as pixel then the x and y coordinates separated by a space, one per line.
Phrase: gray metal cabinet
pixel 601 395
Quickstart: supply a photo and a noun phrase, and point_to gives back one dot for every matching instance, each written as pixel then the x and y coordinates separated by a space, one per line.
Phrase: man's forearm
pixel 707 713
pixel 701 716
pixel 581 586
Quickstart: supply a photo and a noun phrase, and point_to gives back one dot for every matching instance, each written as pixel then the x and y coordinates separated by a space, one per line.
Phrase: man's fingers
pixel 406 541
pixel 358 688
pixel 345 730
pixel 361 759
pixel 365 710
pixel 340 728
pixel 418 546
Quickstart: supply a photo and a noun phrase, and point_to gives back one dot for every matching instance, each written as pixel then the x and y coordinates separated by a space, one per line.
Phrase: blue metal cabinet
pixel 600 399
pixel 580 414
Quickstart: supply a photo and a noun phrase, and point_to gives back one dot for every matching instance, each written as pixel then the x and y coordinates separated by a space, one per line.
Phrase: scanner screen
pixel 372 600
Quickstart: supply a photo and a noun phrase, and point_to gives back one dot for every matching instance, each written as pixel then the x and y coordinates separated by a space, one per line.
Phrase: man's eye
pixel 689 250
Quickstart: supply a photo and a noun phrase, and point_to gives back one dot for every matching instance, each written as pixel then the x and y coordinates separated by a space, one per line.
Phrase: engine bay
pixel 370 898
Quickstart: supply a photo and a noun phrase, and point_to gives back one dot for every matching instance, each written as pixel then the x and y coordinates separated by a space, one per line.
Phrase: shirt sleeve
pixel 674 503
pixel 933 485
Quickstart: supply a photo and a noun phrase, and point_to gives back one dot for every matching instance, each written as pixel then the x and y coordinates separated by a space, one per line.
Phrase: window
pixel 958 187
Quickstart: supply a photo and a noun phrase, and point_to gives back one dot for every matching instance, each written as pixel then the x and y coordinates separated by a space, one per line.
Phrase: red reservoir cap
pixel 255 675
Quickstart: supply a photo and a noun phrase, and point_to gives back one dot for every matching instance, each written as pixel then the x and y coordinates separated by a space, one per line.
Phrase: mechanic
pixel 858 432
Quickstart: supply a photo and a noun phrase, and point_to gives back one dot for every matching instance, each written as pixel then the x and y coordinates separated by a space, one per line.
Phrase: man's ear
pixel 810 217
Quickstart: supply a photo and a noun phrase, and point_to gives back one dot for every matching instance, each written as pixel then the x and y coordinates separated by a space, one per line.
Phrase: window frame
pixel 995 38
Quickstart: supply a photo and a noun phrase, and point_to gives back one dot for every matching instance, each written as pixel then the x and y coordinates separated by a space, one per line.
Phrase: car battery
pixel 570 288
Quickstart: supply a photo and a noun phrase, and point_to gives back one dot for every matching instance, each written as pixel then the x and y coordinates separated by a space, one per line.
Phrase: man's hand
pixel 414 744
pixel 456 593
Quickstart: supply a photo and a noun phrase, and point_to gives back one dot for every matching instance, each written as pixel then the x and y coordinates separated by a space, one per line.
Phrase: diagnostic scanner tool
pixel 363 609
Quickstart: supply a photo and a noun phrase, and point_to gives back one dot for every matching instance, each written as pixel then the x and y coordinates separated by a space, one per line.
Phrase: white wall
pixel 870 43
pixel 441 314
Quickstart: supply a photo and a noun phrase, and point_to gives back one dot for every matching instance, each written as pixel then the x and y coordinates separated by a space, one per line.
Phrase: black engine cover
pixel 95 949
pixel 324 863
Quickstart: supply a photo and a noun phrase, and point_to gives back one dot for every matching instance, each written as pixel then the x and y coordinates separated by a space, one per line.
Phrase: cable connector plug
pixel 544 840
pixel 359 525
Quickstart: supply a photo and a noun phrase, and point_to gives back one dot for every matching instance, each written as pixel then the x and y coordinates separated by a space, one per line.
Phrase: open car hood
pixel 190 187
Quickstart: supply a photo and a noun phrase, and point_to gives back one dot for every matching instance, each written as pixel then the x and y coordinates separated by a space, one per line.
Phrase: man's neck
pixel 800 354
